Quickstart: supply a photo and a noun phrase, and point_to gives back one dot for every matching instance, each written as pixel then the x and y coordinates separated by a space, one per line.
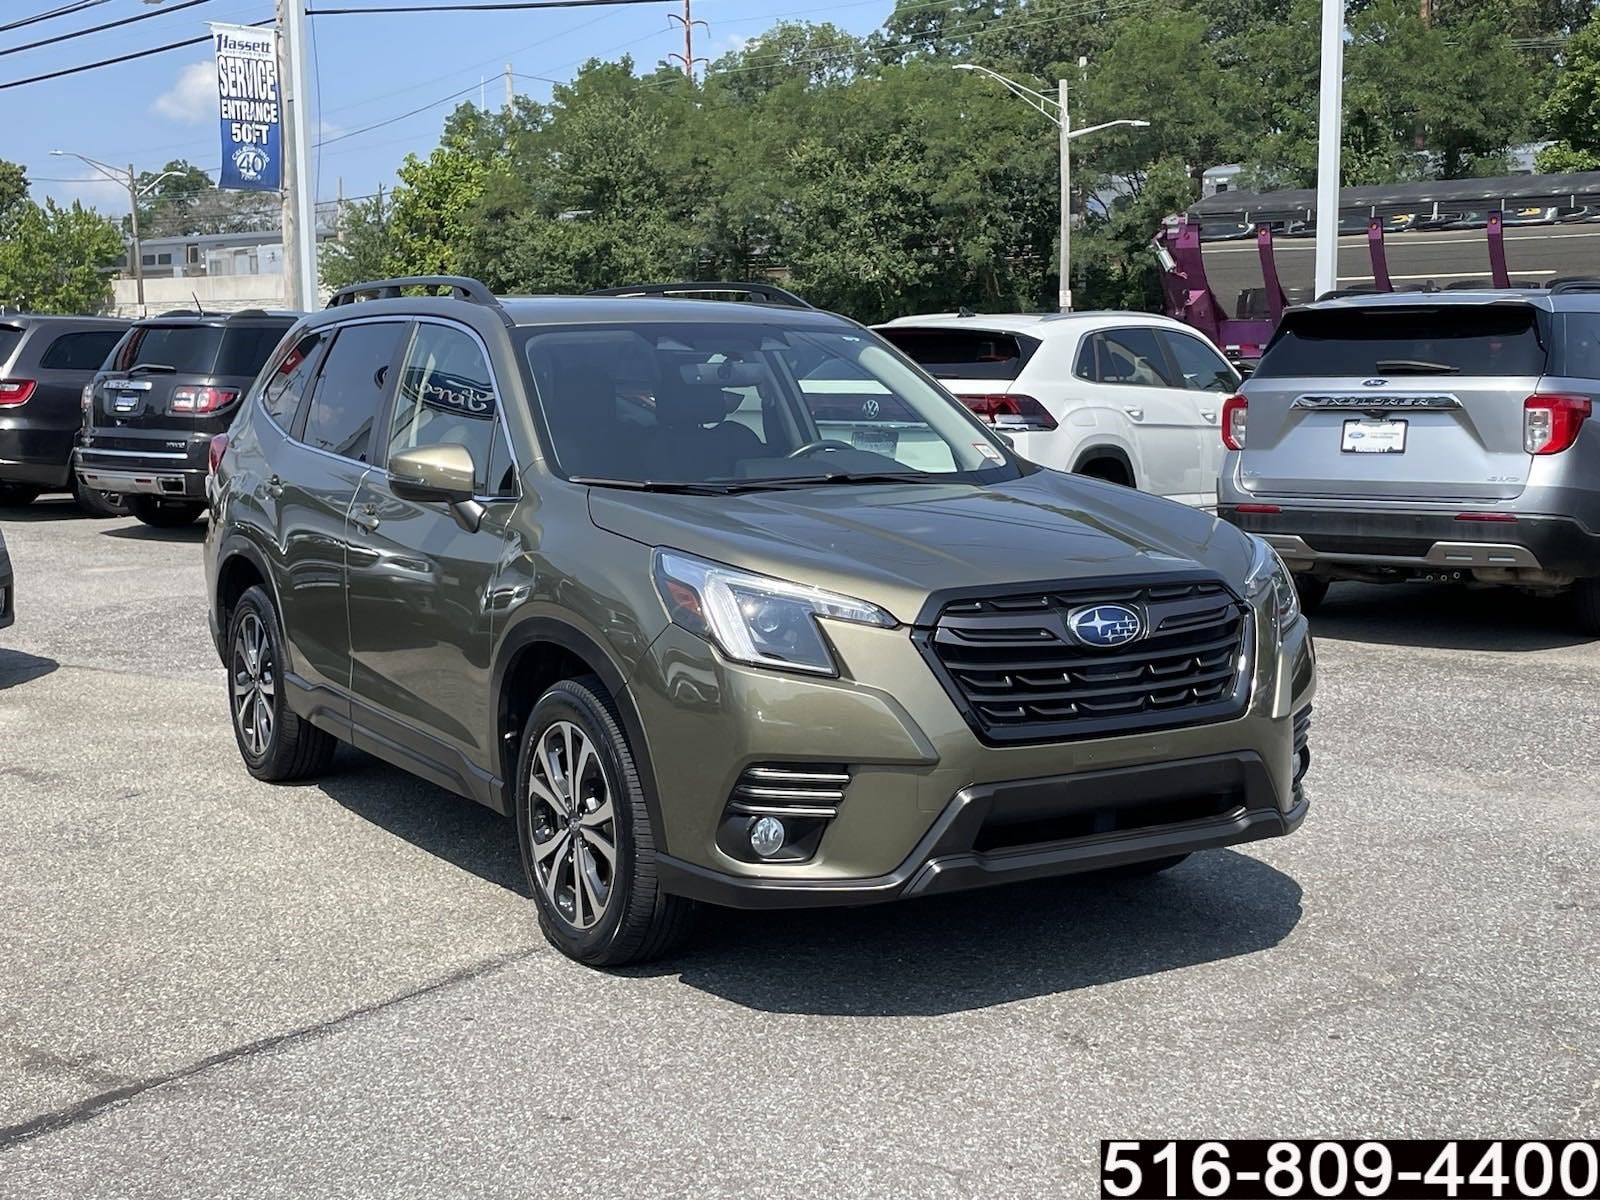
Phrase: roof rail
pixel 1574 283
pixel 759 293
pixel 461 288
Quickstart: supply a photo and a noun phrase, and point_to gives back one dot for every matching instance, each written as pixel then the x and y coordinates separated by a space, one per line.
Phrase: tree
pixel 433 206
pixel 186 203
pixel 1571 113
pixel 56 260
pixel 13 186
pixel 364 248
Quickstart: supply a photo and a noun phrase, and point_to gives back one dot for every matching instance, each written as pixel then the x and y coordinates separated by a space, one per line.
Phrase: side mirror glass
pixel 433 474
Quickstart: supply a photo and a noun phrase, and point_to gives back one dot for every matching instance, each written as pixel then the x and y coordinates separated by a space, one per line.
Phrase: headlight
pixel 1267 572
pixel 753 618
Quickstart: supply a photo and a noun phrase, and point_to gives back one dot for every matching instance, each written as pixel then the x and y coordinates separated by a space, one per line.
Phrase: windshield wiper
pixel 834 477
pixel 653 485
pixel 151 369
pixel 1413 366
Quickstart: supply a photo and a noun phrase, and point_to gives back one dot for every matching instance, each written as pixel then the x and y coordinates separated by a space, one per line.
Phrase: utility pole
pixel 687 58
pixel 299 188
pixel 133 227
pixel 1066 199
pixel 1330 124
pixel 511 93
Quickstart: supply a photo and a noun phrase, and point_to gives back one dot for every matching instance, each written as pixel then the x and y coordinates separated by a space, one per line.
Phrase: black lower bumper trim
pixel 967 848
pixel 1560 544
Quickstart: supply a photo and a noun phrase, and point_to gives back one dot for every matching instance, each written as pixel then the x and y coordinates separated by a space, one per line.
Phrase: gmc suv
pixel 169 387
pixel 1440 437
pixel 594 562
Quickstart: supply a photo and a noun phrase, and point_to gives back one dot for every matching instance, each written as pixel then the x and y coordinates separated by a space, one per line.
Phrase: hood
pixel 895 544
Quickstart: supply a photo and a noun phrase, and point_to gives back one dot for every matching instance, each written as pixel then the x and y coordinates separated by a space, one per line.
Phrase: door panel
pixel 1207 379
pixel 1165 421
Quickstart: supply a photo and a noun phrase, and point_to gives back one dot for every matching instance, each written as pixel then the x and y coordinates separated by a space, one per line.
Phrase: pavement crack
pixel 93 1106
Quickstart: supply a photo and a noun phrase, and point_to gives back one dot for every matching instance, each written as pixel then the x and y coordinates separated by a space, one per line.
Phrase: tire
pixel 634 919
pixel 18 495
pixel 1107 470
pixel 1586 606
pixel 165 514
pixel 277 745
pixel 98 504
pixel 1313 592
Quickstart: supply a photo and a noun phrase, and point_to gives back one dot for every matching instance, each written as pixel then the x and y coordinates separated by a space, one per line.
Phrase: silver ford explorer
pixel 1440 437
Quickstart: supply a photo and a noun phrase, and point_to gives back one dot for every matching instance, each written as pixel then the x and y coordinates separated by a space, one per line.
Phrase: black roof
pixel 17 319
pixel 188 316
pixel 1574 190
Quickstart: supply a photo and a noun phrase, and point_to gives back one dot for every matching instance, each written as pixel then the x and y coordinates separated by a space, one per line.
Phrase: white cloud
pixel 192 100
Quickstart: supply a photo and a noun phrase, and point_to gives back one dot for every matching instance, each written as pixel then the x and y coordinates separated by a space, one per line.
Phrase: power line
pixel 66 10
pixel 78 33
pixel 391 120
pixel 121 58
pixel 499 6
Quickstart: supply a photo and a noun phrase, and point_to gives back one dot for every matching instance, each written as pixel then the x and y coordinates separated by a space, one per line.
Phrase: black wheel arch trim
pixel 531 630
pixel 1114 453
pixel 236 545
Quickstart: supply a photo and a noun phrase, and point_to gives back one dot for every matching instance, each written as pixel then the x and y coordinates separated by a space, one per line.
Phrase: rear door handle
pixel 1209 415
pixel 1136 413
pixel 368 518
pixel 274 487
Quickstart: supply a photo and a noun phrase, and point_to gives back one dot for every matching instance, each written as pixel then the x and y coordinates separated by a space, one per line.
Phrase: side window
pixel 446 397
pixel 80 351
pixel 284 391
pixel 1202 368
pixel 1131 357
pixel 344 403
pixel 1577 348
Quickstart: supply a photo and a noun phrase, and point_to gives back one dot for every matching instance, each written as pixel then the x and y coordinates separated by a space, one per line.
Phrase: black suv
pixel 169 387
pixel 44 364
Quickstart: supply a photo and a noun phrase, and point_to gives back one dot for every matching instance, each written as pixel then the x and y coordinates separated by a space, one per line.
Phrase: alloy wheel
pixel 572 825
pixel 255 685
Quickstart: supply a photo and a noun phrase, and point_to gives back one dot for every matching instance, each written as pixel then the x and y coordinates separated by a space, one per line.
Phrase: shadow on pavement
pixel 1446 618
pixel 962 952
pixel 53 508
pixel 17 668
pixel 140 532
pixel 459 831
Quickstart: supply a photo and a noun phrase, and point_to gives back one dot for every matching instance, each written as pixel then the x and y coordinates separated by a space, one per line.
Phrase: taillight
pixel 1550 423
pixel 15 391
pixel 1235 412
pixel 219 447
pixel 202 399
pixel 1010 411
pixel 86 397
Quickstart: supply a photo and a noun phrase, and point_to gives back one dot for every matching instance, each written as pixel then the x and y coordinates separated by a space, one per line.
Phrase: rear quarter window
pixel 246 348
pixel 10 339
pixel 80 351
pixel 1455 339
pixel 1576 354
pixel 963 353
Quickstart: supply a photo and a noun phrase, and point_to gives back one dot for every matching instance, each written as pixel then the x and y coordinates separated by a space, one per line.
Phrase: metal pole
pixel 511 95
pixel 1066 200
pixel 688 40
pixel 138 250
pixel 299 209
pixel 1330 120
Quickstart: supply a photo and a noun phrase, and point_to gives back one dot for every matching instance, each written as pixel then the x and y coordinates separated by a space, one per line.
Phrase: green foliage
pixel 186 203
pixel 876 180
pixel 363 249
pixel 55 259
pixel 13 186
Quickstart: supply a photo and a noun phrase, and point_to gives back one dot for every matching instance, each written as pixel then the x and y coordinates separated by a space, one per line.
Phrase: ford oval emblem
pixel 1105 625
pixel 1374 382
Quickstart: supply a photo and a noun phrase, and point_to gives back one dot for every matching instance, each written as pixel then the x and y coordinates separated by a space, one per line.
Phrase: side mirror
pixel 433 473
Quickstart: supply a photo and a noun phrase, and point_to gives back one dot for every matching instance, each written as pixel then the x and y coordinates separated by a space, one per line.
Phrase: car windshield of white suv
pixel 743 406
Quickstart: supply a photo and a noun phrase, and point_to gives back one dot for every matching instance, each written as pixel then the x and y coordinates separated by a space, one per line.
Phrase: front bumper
pixel 1356 543
pixel 929 807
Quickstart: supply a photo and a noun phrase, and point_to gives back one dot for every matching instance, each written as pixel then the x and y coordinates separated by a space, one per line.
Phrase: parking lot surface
pixel 214 987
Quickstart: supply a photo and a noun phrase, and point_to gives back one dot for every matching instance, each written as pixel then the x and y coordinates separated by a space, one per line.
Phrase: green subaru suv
pixel 728 602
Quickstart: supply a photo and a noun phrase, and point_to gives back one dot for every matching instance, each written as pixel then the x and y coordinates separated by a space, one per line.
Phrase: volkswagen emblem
pixel 870 409
pixel 1105 625
pixel 1374 382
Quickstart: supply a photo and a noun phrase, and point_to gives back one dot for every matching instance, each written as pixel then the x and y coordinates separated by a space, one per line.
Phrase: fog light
pixel 766 836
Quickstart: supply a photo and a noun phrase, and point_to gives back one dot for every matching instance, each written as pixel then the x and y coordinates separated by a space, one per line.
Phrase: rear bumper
pixel 34 455
pixel 1331 542
pixel 1038 828
pixel 141 475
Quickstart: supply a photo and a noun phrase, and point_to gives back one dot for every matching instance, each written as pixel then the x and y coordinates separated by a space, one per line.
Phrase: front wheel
pixel 1586 606
pixel 165 514
pixel 585 835
pixel 277 745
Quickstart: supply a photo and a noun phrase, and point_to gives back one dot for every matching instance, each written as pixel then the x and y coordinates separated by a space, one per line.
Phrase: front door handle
pixel 274 487
pixel 368 518
pixel 1136 413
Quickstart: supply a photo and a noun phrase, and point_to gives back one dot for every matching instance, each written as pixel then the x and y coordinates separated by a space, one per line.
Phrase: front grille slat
pixel 1023 677
pixel 801 790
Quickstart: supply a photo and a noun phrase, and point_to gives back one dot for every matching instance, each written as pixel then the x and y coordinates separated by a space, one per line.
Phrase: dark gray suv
pixel 1441 437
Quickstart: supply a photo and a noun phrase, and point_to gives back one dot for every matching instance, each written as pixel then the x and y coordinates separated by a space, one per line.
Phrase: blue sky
pixel 369 68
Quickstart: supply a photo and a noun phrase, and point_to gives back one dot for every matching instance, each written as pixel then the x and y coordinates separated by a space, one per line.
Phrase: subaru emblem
pixel 1105 625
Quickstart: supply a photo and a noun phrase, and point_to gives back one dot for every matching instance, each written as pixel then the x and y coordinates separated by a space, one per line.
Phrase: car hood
pixel 897 544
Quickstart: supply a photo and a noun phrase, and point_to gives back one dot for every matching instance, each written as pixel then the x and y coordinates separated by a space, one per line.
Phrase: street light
pixel 1055 110
pixel 130 181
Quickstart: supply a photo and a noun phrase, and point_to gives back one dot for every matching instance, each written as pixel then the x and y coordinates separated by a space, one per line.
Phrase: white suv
pixel 1129 397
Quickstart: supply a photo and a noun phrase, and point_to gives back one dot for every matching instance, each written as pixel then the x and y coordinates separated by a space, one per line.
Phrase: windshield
pixel 728 406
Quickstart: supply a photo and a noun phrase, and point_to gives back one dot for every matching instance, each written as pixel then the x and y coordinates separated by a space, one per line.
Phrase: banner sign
pixel 252 126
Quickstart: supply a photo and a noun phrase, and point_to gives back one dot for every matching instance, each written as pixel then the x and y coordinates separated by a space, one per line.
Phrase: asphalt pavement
pixel 210 987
